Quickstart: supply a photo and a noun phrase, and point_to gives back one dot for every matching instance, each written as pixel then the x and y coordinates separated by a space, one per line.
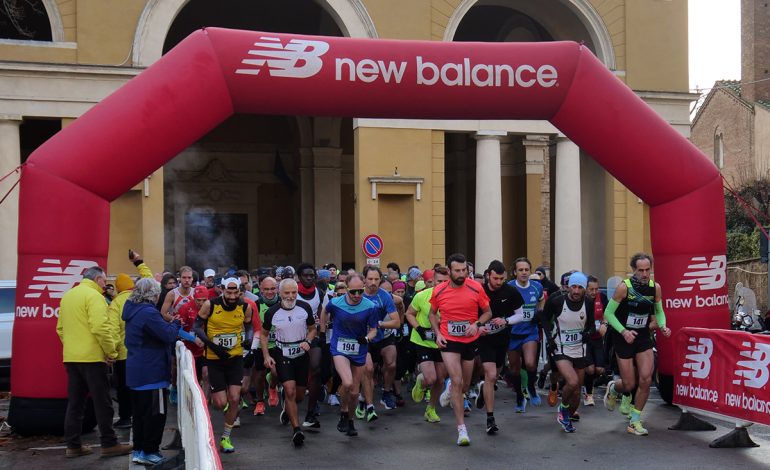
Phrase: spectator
pixel 149 339
pixel 89 348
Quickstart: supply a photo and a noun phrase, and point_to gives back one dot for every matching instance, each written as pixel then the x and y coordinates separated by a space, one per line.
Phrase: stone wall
pixel 753 274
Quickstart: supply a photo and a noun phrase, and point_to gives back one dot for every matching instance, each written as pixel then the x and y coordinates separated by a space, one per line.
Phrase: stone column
pixel 568 245
pixel 489 212
pixel 327 219
pixel 307 206
pixel 460 190
pixel 10 158
pixel 536 153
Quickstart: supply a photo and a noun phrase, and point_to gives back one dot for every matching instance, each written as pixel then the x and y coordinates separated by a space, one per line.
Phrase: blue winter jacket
pixel 149 340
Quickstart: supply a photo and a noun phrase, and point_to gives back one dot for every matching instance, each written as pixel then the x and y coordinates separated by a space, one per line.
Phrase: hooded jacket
pixel 83 325
pixel 115 310
pixel 149 339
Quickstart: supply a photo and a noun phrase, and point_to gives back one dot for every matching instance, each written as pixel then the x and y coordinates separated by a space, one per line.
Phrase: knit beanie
pixel 123 282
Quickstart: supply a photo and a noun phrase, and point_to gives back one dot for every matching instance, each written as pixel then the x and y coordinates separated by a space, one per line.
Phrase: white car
pixel 7 310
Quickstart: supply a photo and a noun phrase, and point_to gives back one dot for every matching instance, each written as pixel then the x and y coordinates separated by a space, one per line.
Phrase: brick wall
pixel 755 49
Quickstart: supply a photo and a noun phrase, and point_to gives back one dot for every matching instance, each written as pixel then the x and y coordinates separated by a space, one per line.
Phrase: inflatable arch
pixel 69 181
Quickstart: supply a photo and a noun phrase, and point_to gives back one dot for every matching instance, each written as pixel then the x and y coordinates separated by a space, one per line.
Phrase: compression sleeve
pixel 200 328
pixel 609 315
pixel 186 335
pixel 517 317
pixel 660 316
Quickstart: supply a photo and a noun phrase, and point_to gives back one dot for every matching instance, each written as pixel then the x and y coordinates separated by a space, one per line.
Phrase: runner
pixel 354 325
pixel 310 293
pixel 188 313
pixel 597 359
pixel 568 320
pixel 459 300
pixel 629 311
pixel 423 339
pixel 382 349
pixel 294 331
pixel 525 336
pixel 222 324
pixel 506 305
pixel 268 296
pixel 178 296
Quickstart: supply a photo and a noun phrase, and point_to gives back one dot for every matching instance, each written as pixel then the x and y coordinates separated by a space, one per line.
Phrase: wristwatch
pixel 478 324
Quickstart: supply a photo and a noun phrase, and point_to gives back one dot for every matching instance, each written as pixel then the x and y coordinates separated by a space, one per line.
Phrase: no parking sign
pixel 372 247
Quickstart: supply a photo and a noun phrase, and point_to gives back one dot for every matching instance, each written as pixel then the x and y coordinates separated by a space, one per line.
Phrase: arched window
pixel 24 20
pixel 719 149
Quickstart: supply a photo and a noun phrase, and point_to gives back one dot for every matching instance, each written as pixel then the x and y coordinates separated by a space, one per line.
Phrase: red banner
pixel 724 372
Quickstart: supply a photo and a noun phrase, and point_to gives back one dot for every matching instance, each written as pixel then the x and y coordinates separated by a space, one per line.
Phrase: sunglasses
pixel 355 291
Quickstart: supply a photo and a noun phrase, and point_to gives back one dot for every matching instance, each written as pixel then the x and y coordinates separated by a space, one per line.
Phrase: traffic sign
pixel 372 246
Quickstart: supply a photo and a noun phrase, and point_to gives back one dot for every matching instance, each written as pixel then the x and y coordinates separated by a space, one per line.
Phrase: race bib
pixel 571 337
pixel 492 328
pixel 271 336
pixel 636 320
pixel 529 315
pixel 348 347
pixel 430 335
pixel 457 328
pixel 227 340
pixel 291 350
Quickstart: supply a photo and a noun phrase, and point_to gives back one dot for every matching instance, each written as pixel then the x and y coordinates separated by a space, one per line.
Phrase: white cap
pixel 209 273
pixel 231 280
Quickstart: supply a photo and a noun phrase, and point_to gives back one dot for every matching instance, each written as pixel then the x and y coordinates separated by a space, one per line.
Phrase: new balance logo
pixel 707 276
pixel 699 361
pixel 754 372
pixel 299 58
pixel 56 280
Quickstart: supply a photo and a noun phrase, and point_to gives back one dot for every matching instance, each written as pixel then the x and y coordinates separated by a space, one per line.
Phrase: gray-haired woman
pixel 149 340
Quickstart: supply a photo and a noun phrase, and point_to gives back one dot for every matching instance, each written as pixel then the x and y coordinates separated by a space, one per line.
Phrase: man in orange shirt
pixel 459 301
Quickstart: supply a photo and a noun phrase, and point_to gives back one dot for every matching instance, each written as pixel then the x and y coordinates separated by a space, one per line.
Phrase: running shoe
pixel 244 404
pixel 562 416
pixel 535 398
pixel 351 429
pixel 237 422
pixel 124 423
pixel 259 409
pixel 399 399
pixel 137 456
pixel 418 391
pixel 473 393
pixel 154 458
pixel 172 395
pixel 525 394
pixel 427 396
pixel 311 421
pixel 491 425
pixel 284 416
pixel 361 410
pixel 588 400
pixel 480 397
pixel 575 416
pixel 298 438
pixel 333 400
pixel 466 405
pixel 388 400
pixel 371 415
pixel 463 439
pixel 272 396
pixel 610 397
pixel 625 405
pixel 636 428
pixel 445 396
pixel 541 378
pixel 553 397
pixel 342 425
pixel 226 446
pixel 521 404
pixel 430 415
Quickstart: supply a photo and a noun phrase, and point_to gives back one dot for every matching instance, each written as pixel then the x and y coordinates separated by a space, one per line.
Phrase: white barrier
pixel 193 420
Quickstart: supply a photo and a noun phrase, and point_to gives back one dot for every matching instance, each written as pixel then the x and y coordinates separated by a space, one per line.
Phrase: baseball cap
pixel 578 279
pixel 209 273
pixel 200 292
pixel 414 274
pixel 419 286
pixel 427 275
pixel 324 274
pixel 231 280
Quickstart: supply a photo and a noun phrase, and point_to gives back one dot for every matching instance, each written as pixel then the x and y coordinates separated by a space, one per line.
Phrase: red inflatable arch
pixel 69 181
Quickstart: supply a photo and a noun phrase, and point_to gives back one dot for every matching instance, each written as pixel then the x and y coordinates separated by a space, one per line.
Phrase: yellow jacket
pixel 83 326
pixel 115 314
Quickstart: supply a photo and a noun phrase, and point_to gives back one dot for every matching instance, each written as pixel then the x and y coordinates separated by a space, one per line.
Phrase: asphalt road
pixel 401 439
